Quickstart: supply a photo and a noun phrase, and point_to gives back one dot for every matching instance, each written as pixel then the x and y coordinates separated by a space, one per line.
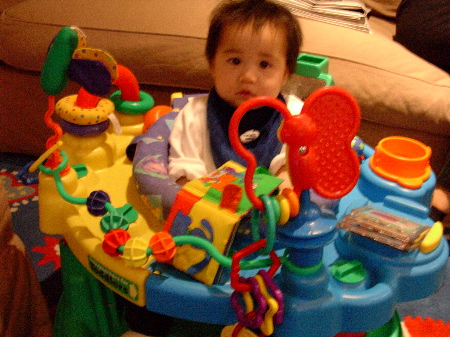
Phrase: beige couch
pixel 162 42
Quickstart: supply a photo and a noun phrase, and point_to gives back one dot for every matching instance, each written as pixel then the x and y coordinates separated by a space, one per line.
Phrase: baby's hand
pixel 182 181
pixel 284 174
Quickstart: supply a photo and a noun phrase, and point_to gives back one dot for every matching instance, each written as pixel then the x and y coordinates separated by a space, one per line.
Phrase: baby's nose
pixel 248 76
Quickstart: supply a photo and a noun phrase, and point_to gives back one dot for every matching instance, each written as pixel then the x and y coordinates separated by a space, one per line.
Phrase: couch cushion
pixel 157 39
pixel 162 42
pixel 385 7
pixel 393 86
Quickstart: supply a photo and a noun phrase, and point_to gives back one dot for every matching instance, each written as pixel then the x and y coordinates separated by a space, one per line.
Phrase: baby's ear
pixel 287 74
pixel 211 65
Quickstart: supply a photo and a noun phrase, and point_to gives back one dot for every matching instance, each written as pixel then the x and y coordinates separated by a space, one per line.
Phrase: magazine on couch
pixel 347 13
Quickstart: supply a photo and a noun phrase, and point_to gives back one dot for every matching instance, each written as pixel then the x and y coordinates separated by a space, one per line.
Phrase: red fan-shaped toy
pixel 319 154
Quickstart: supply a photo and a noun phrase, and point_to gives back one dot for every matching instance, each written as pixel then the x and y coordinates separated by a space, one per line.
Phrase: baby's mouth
pixel 245 94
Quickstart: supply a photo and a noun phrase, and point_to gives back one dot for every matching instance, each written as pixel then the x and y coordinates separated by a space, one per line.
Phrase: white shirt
pixel 190 153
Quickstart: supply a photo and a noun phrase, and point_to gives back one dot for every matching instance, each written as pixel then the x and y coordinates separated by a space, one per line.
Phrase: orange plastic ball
pixel 154 114
pixel 163 247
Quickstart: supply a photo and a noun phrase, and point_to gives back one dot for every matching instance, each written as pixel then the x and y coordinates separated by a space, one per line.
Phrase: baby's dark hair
pixel 257 13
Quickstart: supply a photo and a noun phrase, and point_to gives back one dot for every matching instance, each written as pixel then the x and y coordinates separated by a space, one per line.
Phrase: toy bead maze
pixel 333 255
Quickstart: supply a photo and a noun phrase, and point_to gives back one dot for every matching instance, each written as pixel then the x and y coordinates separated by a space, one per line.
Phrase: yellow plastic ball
pixel 135 252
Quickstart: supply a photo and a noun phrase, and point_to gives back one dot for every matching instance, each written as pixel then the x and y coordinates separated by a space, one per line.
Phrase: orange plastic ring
pixel 294 201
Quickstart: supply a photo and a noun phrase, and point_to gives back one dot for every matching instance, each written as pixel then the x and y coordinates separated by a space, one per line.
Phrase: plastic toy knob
pixel 163 247
pixel 135 252
pixel 96 202
pixel 349 271
pixel 113 240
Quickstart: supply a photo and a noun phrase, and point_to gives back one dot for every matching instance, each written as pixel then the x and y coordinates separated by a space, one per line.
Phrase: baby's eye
pixel 264 64
pixel 234 61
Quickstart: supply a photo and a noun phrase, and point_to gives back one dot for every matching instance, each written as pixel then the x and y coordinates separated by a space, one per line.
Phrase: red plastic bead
pixel 113 240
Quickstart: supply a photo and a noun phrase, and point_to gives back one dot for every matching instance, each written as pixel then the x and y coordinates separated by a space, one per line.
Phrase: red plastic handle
pixel 128 84
pixel 240 148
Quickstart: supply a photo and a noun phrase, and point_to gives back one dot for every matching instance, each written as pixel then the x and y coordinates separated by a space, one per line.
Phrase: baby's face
pixel 249 63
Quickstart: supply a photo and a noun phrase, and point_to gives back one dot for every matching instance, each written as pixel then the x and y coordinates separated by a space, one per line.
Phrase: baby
pixel 252 49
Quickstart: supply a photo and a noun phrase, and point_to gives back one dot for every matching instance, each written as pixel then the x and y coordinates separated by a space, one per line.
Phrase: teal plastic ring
pixel 305 271
pixel 271 223
pixel 132 108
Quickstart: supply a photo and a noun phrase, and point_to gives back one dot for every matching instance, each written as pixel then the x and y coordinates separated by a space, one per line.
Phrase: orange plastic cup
pixel 403 160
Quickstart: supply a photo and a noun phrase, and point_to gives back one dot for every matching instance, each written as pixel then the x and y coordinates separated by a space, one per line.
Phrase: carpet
pixel 425 317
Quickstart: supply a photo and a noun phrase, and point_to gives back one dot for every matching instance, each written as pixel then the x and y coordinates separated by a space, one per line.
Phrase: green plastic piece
pixel 128 213
pixel 314 66
pixel 392 328
pixel 81 170
pixel 59 184
pixel 305 271
pixel 348 271
pixel 271 216
pixel 183 328
pixel 223 260
pixel 61 166
pixel 86 307
pixel 54 77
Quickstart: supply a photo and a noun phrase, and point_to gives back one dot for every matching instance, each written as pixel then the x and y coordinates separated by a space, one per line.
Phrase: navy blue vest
pixel 257 130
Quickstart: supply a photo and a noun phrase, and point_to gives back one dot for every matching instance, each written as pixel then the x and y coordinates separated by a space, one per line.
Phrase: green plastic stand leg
pixel 392 328
pixel 86 308
pixel 182 328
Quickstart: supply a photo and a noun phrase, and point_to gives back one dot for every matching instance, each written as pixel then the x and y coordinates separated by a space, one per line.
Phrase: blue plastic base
pixel 319 304
pixel 342 307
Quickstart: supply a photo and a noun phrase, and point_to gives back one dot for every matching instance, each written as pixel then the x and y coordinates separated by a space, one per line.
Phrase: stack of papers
pixel 347 13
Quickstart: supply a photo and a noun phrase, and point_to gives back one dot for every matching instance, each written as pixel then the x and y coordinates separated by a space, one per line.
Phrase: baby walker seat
pixel 321 271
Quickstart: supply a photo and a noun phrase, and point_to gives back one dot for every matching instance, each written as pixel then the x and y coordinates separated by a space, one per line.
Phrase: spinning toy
pixel 229 248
